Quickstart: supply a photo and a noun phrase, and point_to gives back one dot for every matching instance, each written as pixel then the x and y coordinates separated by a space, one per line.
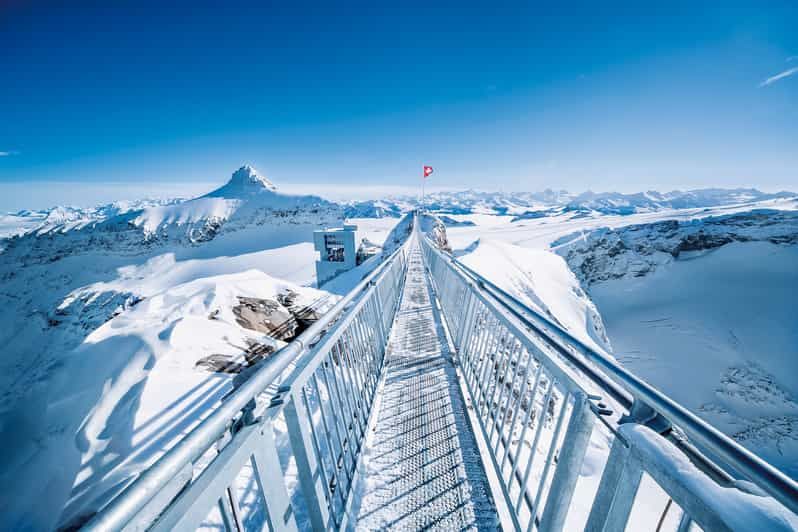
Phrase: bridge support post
pixel 278 502
pixel 616 491
pixel 466 321
pixel 380 318
pixel 308 469
pixel 572 454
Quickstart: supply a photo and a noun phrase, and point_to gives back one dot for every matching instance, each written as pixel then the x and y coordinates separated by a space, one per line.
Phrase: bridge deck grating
pixel 421 467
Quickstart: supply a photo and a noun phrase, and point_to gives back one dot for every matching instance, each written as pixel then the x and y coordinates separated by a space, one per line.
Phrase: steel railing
pixel 539 393
pixel 319 389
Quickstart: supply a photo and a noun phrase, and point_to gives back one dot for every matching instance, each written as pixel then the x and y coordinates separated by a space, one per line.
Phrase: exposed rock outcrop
pixel 638 250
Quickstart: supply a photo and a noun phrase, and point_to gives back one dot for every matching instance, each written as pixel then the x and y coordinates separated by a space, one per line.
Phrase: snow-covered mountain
pixel 461 202
pixel 530 205
pixel 377 209
pixel 616 203
pixel 123 324
pixel 247 185
pixel 67 217
pixel 246 202
pixel 108 319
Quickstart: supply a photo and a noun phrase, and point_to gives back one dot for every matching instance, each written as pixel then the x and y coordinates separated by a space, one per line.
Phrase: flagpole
pixel 425 173
pixel 423 183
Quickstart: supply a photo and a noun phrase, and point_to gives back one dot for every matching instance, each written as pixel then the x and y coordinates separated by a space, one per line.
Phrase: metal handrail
pixel 618 393
pixel 136 496
pixel 518 388
pixel 496 342
pixel 524 313
pixel 774 482
pixel 623 385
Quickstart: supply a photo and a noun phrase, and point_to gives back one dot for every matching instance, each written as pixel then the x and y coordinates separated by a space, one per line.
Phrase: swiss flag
pixel 427 171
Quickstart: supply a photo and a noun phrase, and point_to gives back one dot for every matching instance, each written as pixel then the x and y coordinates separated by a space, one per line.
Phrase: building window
pixel 334 248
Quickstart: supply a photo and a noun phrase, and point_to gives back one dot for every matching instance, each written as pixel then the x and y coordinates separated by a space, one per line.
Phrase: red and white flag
pixel 427 171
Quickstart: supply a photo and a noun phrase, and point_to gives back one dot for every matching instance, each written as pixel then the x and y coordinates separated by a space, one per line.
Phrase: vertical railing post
pixel 279 512
pixel 577 437
pixel 685 523
pixel 309 472
pixel 469 309
pixel 616 491
pixel 375 302
pixel 624 497
pixel 619 452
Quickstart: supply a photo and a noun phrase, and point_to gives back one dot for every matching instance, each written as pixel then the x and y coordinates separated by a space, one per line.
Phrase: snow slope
pixel 698 301
pixel 104 322
pixel 542 281
pixel 710 322
pixel 705 310
pixel 133 387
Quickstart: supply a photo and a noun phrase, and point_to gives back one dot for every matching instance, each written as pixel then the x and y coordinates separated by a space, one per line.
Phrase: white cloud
pixel 780 75
pixel 7 153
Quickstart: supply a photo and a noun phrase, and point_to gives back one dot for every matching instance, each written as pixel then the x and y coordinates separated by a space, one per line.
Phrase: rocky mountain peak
pixel 247 176
pixel 246 181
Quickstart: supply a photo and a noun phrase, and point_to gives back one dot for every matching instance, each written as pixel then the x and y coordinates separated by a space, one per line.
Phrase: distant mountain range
pixel 248 195
pixel 247 199
pixel 523 205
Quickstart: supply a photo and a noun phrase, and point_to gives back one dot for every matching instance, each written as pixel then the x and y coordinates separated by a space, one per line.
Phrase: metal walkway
pixel 421 467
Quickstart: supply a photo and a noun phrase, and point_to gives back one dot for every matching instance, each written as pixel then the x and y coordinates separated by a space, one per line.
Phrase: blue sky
pixel 98 102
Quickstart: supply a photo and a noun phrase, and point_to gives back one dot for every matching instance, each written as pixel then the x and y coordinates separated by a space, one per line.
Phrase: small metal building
pixel 337 251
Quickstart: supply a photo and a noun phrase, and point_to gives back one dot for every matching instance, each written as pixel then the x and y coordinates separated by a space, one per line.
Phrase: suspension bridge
pixel 429 398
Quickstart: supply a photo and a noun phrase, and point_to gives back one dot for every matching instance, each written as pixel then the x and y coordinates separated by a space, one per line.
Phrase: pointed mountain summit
pixel 245 182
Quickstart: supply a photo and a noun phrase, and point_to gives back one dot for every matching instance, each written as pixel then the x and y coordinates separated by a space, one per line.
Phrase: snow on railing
pixel 562 457
pixel 229 471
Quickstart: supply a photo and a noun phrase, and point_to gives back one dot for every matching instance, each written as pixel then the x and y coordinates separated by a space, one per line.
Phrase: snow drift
pixel 105 319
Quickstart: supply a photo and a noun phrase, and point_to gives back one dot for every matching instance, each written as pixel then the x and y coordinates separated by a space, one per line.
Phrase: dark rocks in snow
pixel 533 215
pixel 266 316
pixel 435 229
pixel 366 250
pixel 702 241
pixel 282 318
pixel 638 250
pixel 254 353
pixel 305 316
pixel 91 309
pixel 451 222
pixel 219 364
pixel 205 232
